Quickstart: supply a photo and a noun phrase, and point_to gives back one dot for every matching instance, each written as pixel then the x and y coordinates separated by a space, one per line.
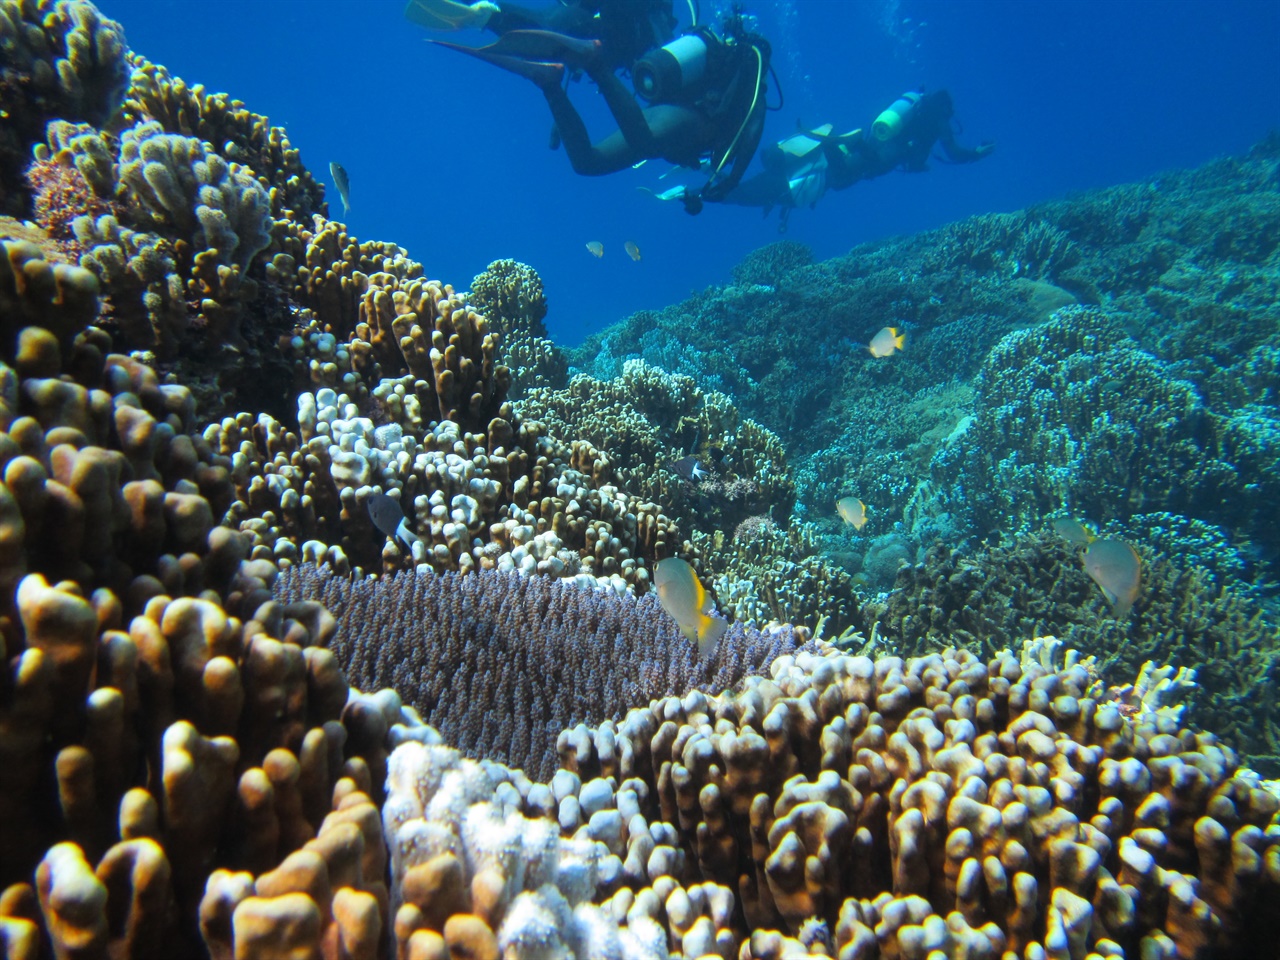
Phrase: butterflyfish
pixel 596 248
pixel 343 183
pixel 852 511
pixel 884 343
pixel 1116 568
pixel 632 250
pixel 387 516
pixel 691 469
pixel 1073 531
pixel 687 602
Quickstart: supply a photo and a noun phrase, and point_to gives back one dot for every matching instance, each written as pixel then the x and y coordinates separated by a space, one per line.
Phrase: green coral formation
pixel 1072 415
pixel 1035 585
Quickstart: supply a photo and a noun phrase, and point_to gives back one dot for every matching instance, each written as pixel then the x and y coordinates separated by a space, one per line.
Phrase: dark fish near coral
pixel 691 469
pixel 343 183
pixel 1074 531
pixel 387 516
pixel 1116 568
pixel 687 602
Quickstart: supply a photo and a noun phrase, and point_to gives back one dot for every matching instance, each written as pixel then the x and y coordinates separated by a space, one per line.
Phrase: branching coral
pixel 243 136
pixel 501 663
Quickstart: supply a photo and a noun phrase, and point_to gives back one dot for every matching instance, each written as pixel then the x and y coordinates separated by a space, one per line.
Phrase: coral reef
pixel 203 383
pixel 851 807
pixel 510 295
pixel 62 60
pixel 1073 415
pixel 501 663
pixel 1035 585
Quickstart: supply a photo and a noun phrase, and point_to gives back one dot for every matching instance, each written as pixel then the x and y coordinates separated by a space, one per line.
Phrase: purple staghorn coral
pixel 500 663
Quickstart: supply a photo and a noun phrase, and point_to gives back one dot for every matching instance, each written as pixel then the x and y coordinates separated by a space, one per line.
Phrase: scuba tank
pixel 665 73
pixel 891 121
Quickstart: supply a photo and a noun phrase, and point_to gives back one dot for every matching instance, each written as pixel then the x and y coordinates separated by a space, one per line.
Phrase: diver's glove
pixel 692 200
pixel 450 15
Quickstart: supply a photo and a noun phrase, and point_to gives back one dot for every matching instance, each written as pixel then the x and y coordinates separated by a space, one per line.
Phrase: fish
pixel 1073 531
pixel 852 511
pixel 691 469
pixel 687 602
pixel 343 183
pixel 387 516
pixel 884 343
pixel 1117 569
pixel 596 248
pixel 632 250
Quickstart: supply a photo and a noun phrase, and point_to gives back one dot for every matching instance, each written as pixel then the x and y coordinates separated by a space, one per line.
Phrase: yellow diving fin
pixel 449 15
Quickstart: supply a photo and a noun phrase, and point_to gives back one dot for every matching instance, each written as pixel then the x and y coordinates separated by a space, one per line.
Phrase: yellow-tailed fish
pixel 1116 568
pixel 884 343
pixel 632 250
pixel 687 602
pixel 596 248
pixel 852 511
pixel 343 183
pixel 1074 531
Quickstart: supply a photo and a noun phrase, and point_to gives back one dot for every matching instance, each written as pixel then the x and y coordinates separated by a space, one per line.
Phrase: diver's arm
pixel 955 153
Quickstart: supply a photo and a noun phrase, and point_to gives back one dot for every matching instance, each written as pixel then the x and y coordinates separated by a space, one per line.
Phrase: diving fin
pixel 543 74
pixel 548 45
pixel 450 15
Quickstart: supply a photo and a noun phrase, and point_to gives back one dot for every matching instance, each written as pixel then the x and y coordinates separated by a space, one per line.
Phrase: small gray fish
pixel 387 516
pixel 343 183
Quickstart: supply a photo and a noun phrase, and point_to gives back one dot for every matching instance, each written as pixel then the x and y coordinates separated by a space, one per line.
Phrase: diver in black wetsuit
pixel 705 90
pixel 801 168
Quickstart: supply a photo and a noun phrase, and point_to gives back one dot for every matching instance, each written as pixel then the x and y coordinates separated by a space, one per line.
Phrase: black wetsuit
pixel 722 117
pixel 626 29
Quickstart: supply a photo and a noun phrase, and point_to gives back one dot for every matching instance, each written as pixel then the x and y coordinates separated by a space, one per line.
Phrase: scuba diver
pixel 705 90
pixel 801 168
pixel 626 29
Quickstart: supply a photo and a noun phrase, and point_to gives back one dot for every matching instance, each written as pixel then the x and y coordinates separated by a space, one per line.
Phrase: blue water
pixel 448 157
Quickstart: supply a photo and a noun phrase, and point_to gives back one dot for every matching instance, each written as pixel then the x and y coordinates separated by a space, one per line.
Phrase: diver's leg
pixel 679 135
pixel 626 111
pixel 612 154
